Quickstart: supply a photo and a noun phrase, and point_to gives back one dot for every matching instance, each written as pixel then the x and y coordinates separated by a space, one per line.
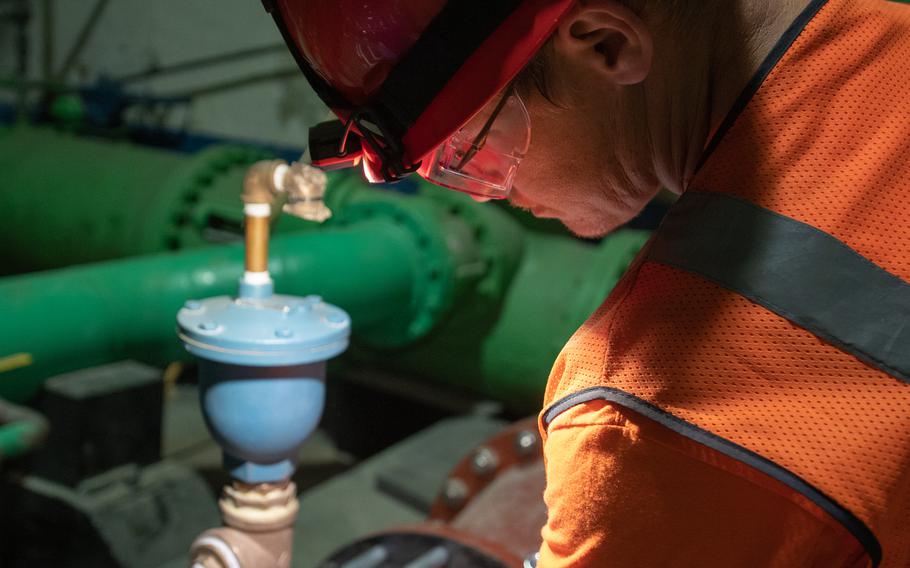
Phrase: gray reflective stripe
pixel 794 270
pixel 842 515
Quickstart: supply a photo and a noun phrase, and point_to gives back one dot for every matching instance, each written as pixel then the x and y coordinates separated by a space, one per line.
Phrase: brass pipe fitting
pixel 260 187
pixel 259 531
pixel 302 185
pixel 262 181
pixel 257 244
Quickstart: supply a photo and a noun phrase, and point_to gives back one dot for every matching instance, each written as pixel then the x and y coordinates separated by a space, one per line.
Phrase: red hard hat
pixel 404 75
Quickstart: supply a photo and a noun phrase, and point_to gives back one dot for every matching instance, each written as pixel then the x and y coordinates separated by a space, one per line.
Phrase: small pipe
pixel 257 238
pixel 202 62
pixel 302 185
pixel 21 429
pixel 82 39
pixel 233 84
pixel 47 36
pixel 260 187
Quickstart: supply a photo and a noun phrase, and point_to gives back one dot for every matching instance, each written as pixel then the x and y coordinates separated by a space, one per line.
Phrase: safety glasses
pixel 483 156
pixel 480 159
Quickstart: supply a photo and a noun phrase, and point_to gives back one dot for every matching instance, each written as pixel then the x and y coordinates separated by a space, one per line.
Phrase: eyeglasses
pixel 482 157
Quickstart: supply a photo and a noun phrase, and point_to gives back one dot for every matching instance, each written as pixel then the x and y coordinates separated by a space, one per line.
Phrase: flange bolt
pixel 485 461
pixel 455 493
pixel 526 443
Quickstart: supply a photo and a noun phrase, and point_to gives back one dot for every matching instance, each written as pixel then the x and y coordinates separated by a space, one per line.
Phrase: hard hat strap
pixel 451 38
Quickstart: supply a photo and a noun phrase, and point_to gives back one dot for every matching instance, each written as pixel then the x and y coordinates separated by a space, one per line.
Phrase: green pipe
pixel 70 200
pixel 460 292
pixel 79 317
pixel 457 289
pixel 505 350
pixel 21 430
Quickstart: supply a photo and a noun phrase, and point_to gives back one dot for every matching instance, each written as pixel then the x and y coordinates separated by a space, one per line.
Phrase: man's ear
pixel 607 38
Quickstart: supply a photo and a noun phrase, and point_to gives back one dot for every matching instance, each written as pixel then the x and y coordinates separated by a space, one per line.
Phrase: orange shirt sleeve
pixel 623 491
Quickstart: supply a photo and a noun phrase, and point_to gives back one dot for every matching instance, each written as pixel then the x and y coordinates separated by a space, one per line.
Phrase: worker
pixel 742 398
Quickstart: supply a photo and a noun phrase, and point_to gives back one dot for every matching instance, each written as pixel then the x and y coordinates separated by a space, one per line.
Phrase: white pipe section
pixel 257 278
pixel 257 210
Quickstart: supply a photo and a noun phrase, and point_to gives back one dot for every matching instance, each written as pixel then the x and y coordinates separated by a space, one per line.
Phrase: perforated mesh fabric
pixel 715 359
pixel 826 141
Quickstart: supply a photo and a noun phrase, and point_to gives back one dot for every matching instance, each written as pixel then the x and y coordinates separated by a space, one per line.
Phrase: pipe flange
pixel 184 190
pixel 434 282
pixel 517 445
pixel 498 238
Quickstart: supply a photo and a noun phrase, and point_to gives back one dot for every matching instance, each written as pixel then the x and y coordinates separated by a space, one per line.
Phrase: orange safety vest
pixel 769 317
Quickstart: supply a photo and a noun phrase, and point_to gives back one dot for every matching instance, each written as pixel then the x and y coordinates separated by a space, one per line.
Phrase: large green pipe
pixel 491 304
pixel 69 200
pixel 78 317
pixel 481 304
pixel 505 349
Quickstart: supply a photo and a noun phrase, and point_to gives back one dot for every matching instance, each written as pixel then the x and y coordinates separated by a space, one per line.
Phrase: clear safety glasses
pixel 483 156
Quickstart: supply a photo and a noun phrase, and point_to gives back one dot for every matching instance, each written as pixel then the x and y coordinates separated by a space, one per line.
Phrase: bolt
pixel 284 333
pixel 208 326
pixel 526 443
pixel 193 305
pixel 455 493
pixel 311 300
pixel 485 461
pixel 335 317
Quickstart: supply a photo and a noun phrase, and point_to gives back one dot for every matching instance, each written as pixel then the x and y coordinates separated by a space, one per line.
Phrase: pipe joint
pixel 302 185
pixel 231 548
pixel 259 185
pixel 259 532
pixel 261 507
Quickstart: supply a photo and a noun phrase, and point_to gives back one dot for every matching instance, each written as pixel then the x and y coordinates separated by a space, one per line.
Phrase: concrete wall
pixel 133 35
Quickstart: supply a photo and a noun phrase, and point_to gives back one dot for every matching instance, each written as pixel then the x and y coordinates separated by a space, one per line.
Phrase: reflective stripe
pixel 856 527
pixel 794 270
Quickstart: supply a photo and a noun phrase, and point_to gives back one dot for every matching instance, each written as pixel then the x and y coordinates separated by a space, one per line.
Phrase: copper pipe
pixel 257 244
pixel 259 191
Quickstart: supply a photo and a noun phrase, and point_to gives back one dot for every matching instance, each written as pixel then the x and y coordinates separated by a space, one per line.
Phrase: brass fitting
pixel 259 531
pixel 302 185
pixel 259 185
pixel 257 244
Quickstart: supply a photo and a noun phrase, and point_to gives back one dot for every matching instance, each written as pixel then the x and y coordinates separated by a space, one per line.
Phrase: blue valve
pixel 262 374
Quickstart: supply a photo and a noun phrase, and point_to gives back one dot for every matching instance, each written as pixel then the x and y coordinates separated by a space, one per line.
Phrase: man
pixel 742 397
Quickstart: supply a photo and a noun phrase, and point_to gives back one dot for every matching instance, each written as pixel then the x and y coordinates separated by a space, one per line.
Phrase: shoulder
pixel 657 317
